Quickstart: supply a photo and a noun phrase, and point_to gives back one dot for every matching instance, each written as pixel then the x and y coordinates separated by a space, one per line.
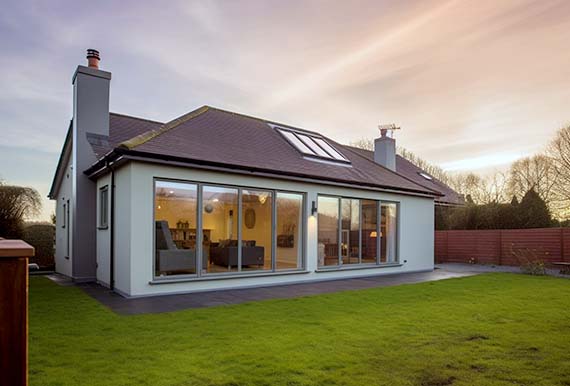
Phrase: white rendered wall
pixel 63 258
pixel 135 230
pixel 103 236
pixel 124 228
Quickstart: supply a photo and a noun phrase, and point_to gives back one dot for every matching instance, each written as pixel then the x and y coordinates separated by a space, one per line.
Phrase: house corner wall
pixel 123 229
pixel 104 237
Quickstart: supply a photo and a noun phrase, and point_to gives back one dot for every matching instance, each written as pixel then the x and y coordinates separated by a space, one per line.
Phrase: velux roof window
pixel 311 145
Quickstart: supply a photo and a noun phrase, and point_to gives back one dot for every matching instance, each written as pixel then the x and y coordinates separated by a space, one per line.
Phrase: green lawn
pixel 494 329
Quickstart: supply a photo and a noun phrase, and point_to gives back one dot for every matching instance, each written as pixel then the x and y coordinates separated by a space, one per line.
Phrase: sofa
pixel 225 253
pixel 170 259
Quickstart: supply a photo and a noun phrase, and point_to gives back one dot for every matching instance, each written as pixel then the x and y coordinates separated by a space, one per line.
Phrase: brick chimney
pixel 385 147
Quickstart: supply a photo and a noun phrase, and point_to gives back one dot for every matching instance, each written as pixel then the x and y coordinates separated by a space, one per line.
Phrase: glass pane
pixel 103 207
pixel 327 208
pixel 220 228
pixel 289 230
pixel 389 233
pixel 296 142
pixel 350 220
pixel 256 227
pixel 314 147
pixel 369 230
pixel 175 228
pixel 331 150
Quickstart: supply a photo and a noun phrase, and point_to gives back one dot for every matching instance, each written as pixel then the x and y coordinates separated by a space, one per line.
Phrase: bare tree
pixel 559 151
pixel 363 143
pixel 480 190
pixel 538 172
pixel 17 204
pixel 433 170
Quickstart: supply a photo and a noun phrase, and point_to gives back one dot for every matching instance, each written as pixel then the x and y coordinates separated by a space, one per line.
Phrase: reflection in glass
pixel 350 222
pixel 369 231
pixel 220 225
pixel 389 233
pixel 328 249
pixel 256 228
pixel 289 230
pixel 175 228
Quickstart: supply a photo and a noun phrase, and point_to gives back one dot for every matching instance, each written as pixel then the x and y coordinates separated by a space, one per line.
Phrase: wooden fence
pixel 497 246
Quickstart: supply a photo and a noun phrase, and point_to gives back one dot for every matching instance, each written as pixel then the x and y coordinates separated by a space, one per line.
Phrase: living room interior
pixel 176 222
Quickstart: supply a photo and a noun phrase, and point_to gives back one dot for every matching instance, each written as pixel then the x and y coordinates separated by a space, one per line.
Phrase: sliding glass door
pixel 328 231
pixel 219 229
pixel 289 231
pixel 388 248
pixel 369 232
pixel 350 233
pixel 235 230
pixel 350 225
pixel 175 228
pixel 256 229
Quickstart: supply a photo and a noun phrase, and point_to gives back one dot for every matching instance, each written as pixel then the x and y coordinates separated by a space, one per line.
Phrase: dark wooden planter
pixel 14 256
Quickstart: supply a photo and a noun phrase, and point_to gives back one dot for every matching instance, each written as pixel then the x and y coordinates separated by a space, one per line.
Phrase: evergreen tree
pixel 533 211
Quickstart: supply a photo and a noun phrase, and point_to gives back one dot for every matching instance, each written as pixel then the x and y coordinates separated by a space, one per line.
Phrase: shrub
pixel 41 237
pixel 529 261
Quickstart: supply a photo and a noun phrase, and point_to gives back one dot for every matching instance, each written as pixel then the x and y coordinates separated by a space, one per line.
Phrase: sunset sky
pixel 473 84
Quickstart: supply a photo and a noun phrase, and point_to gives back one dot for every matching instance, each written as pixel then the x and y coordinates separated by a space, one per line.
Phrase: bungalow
pixel 215 199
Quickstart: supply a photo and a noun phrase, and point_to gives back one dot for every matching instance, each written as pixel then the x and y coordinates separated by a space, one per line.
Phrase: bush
pixel 529 261
pixel 531 212
pixel 41 237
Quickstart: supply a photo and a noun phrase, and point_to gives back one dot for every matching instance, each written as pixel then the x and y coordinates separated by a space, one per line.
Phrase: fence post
pixel 562 256
pixel 14 256
pixel 500 247
pixel 447 246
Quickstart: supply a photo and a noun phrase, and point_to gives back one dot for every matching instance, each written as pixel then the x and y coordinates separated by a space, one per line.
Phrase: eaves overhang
pixel 120 155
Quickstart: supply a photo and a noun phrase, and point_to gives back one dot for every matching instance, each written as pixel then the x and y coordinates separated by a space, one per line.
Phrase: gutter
pixel 121 155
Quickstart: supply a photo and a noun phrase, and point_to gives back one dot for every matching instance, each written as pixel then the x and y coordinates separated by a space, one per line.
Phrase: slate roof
pixel 411 171
pixel 218 137
pixel 121 128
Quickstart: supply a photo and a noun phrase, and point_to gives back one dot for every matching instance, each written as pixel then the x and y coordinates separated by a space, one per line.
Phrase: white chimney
pixel 385 147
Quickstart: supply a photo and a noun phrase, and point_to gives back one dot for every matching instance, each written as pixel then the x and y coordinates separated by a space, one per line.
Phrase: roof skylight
pixel 426 176
pixel 295 141
pixel 311 145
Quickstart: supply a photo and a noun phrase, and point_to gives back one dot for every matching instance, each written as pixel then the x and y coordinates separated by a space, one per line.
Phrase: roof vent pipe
pixel 93 58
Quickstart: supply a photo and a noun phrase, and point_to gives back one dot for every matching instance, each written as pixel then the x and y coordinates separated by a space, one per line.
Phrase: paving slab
pixel 177 302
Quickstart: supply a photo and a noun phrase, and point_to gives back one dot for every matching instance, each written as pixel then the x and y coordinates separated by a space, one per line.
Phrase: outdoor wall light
pixel 314 208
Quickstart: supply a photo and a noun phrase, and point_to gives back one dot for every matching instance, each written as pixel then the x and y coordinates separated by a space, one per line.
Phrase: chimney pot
pixel 93 58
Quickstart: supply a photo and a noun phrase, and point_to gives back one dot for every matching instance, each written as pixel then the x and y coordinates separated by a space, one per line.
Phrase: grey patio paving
pixel 169 303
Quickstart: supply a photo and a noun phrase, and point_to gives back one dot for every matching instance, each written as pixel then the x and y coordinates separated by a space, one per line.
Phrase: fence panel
pixel 566 244
pixel 497 246
pixel 440 247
